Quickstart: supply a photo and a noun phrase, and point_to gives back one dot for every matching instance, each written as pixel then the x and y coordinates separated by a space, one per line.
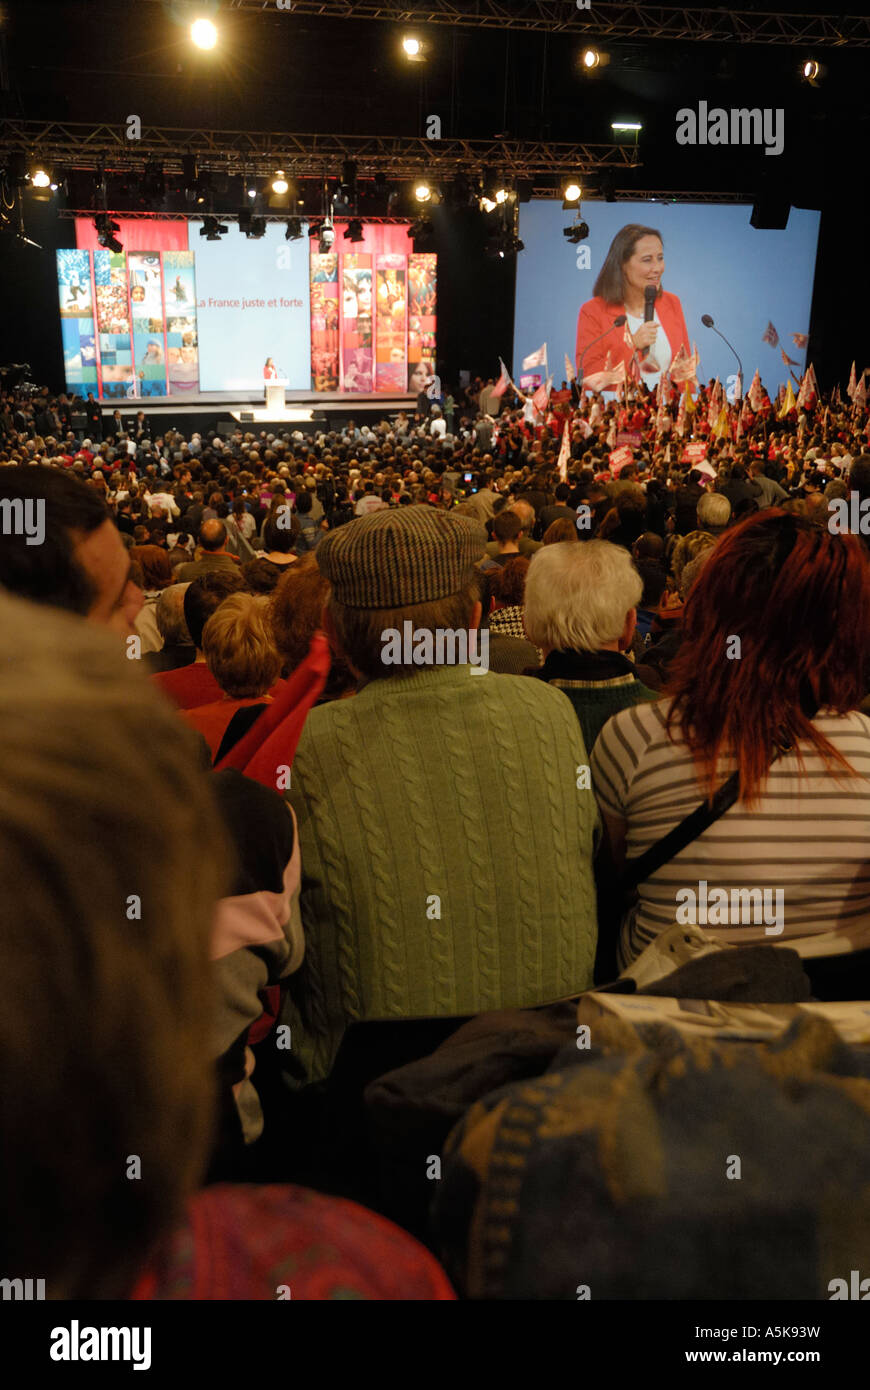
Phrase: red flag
pixel 787 361
pixel 271 742
pixel 754 395
pixel 503 382
pixel 770 335
pixel 800 340
pixel 542 395
pixel 809 392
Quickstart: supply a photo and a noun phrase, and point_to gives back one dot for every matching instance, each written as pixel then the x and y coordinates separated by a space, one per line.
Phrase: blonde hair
pixel 239 648
pixel 106 997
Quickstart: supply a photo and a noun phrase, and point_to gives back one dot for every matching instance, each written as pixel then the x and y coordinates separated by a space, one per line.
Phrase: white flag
pixel 564 455
pixel 570 373
pixel 535 359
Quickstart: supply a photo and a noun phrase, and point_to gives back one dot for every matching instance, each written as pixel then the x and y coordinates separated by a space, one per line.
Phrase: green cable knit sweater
pixel 446 855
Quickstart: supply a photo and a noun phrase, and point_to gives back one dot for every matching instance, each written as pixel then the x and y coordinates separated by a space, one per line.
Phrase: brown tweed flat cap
pixel 400 556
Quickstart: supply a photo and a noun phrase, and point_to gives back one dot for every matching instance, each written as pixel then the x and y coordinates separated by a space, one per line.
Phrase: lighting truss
pixel 603 21
pixel 81 145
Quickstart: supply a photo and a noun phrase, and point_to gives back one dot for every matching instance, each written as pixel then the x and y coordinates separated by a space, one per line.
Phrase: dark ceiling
pixel 102 60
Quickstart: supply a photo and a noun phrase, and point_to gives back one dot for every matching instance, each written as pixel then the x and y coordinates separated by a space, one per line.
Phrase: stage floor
pixel 301 405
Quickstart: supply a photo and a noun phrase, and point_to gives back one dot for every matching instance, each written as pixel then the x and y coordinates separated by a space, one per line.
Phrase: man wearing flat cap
pixel 446 830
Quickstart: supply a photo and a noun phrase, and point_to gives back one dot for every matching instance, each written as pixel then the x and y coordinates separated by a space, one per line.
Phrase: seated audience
pixel 428 888
pixel 581 604
pixel 98 832
pixel 193 685
pixel 780 710
pixel 241 655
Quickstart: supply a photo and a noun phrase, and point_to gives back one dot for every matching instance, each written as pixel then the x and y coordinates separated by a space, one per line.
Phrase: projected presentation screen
pixel 755 285
pixel 174 313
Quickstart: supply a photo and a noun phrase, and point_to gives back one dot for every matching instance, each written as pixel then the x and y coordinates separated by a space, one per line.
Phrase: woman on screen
pixel 635 261
pixel 270 371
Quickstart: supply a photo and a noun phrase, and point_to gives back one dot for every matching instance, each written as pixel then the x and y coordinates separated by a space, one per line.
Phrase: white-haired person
pixel 581 610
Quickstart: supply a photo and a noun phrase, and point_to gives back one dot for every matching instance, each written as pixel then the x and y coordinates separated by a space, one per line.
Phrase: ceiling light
pixel 591 58
pixel 579 231
pixel 40 178
pixel 279 182
pixel 422 192
pixel 203 33
pixel 626 125
pixel 212 229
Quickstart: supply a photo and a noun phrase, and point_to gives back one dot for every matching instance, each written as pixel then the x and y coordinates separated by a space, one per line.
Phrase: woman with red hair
pixel 766 686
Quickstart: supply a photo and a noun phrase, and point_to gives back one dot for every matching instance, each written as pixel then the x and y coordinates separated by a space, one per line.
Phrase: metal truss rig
pixel 81 145
pixel 602 21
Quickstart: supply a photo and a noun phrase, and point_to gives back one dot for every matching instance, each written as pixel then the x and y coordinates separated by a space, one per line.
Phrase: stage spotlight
pixel 190 176
pixel 354 230
pixel 422 191
pixel 619 126
pixel 153 181
pixel 579 231
pixel 294 229
pixel 41 184
pixel 212 229
pixel 501 195
pixel 812 72
pixel 327 238
pixel 571 192
pixel 421 232
pixel 591 59
pixel 203 33
pixel 607 186
pixel 279 182
pixel 413 48
pixel 503 244
pixel 256 229
pixel 106 229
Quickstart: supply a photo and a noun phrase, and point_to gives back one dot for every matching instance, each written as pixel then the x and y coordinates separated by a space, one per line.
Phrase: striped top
pixel 809 836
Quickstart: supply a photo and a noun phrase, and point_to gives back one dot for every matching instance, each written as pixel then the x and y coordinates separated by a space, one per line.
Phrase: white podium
pixel 275 399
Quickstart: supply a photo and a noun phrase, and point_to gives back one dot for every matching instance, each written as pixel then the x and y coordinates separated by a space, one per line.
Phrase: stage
pixel 305 411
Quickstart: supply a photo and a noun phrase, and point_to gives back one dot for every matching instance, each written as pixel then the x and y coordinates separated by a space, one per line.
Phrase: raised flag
pixel 713 407
pixel 722 428
pixel 570 372
pixel 770 335
pixel 786 360
pixel 789 403
pixel 564 455
pixel 800 340
pixel 685 368
pixel 754 395
pixel 542 395
pixel 503 382
pixel 860 397
pixel 809 392
pixel 607 379
pixel 850 389
pixel 535 359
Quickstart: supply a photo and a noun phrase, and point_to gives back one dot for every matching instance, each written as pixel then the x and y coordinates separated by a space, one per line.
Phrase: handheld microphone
pixel 649 303
pixel 707 321
pixel 618 322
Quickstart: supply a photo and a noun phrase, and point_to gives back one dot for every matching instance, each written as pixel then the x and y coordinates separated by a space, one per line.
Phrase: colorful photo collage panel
pixel 130 331
pixel 373 321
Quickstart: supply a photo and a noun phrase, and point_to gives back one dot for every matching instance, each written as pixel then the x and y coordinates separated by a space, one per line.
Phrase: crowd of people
pixel 286 893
